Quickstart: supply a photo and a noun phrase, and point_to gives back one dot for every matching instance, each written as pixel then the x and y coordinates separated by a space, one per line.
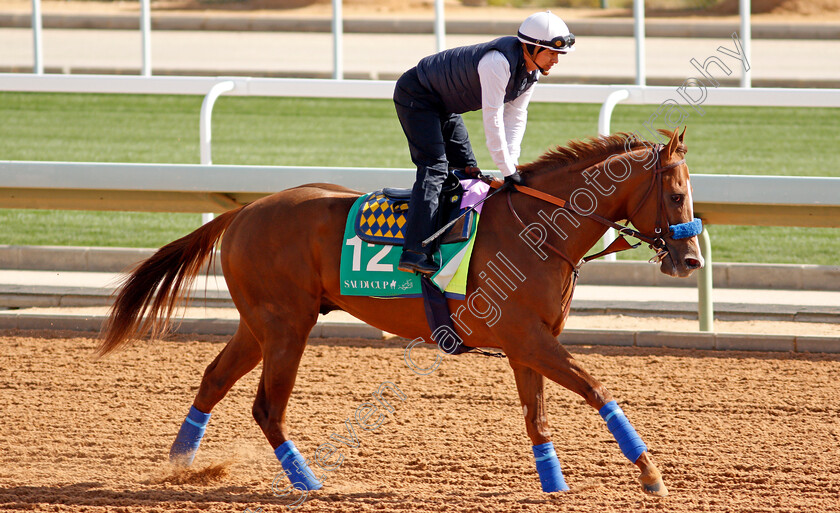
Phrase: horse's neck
pixel 581 185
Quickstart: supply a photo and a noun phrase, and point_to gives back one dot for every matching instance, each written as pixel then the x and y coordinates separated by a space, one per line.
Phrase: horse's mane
pixel 578 152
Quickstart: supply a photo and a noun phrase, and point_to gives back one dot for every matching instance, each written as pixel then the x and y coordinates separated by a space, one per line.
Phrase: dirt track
pixel 730 431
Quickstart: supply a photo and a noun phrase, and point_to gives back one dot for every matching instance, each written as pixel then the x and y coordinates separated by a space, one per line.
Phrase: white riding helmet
pixel 548 31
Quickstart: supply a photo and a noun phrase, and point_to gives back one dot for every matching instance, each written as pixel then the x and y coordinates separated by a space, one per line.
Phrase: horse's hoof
pixel 656 488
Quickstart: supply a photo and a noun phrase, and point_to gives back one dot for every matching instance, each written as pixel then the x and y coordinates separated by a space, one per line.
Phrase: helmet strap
pixel 532 51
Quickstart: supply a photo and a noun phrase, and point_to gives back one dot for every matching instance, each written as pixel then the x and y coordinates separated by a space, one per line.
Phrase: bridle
pixel 655 240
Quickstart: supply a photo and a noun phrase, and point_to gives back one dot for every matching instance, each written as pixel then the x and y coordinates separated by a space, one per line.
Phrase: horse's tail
pixel 150 294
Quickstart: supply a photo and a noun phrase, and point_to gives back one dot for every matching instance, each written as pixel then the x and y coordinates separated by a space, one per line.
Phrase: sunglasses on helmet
pixel 558 43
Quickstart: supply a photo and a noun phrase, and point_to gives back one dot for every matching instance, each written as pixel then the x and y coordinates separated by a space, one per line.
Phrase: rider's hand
pixel 515 179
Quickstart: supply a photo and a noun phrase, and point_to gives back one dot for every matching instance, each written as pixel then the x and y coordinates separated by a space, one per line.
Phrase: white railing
pixel 384 89
pixel 721 199
pixel 146 36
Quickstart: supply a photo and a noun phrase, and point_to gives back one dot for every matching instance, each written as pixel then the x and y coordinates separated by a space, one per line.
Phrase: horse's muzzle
pixel 680 258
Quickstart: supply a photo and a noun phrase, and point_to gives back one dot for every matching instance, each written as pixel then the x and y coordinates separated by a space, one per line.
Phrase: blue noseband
pixel 686 230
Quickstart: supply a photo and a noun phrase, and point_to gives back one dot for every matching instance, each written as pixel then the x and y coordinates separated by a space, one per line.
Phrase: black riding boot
pixel 416 262
pixel 422 222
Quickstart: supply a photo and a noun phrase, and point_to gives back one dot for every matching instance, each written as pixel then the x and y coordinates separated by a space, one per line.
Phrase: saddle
pixel 381 216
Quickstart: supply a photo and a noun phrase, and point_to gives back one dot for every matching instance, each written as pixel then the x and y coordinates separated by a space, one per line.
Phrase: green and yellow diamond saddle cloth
pixel 380 217
pixel 373 239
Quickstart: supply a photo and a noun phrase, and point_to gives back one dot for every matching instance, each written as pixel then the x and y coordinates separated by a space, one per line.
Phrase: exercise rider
pixel 495 77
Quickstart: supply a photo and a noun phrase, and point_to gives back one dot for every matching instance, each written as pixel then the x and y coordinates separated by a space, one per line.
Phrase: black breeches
pixel 436 142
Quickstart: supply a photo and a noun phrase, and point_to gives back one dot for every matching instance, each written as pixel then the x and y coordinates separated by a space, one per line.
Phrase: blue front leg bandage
pixel 296 467
pixel 189 437
pixel 548 467
pixel 628 440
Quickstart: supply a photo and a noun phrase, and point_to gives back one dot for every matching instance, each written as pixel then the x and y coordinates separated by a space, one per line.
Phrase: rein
pixel 656 241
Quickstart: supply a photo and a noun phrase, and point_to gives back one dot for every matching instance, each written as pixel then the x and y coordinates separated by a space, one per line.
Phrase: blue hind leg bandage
pixel 296 467
pixel 548 467
pixel 628 440
pixel 189 437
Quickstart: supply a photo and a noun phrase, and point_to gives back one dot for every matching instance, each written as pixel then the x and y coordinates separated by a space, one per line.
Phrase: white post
pixel 604 118
pixel 38 50
pixel 338 32
pixel 205 125
pixel 440 27
pixel 746 37
pixel 205 119
pixel 705 303
pixel 639 34
pixel 146 37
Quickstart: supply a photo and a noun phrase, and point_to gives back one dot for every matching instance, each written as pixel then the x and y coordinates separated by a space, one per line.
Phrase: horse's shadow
pixel 385 343
pixel 603 350
pixel 606 350
pixel 93 494
pixel 355 496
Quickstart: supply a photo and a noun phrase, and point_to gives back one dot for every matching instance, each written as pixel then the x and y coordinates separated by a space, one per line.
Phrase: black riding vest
pixel 452 75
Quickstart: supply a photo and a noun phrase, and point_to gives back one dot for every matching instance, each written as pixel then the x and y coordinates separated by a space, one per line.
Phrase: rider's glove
pixel 515 179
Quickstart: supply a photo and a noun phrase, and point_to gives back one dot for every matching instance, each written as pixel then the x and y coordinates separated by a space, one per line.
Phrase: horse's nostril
pixel 693 263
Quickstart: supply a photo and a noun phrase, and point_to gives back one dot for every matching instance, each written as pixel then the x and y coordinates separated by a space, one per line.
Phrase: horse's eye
pixel 677 198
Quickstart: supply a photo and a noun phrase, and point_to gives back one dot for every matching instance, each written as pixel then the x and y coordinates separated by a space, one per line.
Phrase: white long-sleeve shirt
pixel 504 123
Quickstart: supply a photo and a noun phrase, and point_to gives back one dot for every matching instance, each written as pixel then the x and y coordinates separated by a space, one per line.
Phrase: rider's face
pixel 547 58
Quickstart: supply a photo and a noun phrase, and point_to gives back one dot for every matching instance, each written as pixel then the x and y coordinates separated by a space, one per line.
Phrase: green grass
pixel 321 132
pixel 80 228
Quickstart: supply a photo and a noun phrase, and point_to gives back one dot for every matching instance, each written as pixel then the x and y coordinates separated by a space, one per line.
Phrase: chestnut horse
pixel 280 258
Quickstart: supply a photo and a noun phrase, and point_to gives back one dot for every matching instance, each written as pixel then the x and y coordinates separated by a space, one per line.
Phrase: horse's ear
pixel 682 134
pixel 672 144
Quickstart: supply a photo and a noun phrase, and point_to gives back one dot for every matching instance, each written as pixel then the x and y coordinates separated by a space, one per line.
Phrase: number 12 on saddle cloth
pixel 369 267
